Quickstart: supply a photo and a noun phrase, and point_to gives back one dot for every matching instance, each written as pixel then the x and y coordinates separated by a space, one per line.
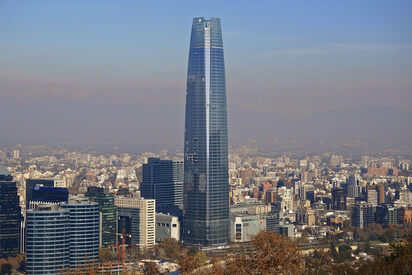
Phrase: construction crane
pixel 120 244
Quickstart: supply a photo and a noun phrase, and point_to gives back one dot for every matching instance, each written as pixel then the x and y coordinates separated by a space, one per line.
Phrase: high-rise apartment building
pixel 83 231
pixel 10 215
pixel 386 215
pixel 206 186
pixel 62 236
pixel 362 215
pixel 142 219
pixel 47 239
pixel 163 182
pixel 353 186
pixel 108 214
pixel 371 195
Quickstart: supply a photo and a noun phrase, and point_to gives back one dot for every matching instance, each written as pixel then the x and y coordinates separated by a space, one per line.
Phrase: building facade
pixel 83 231
pixel 108 215
pixel 206 186
pixel 50 194
pixel 167 226
pixel 31 183
pixel 353 186
pixel 362 215
pixel 47 239
pixel 386 215
pixel 274 223
pixel 338 199
pixel 381 193
pixel 146 219
pixel 371 195
pixel 163 182
pixel 129 224
pixel 10 215
pixel 244 226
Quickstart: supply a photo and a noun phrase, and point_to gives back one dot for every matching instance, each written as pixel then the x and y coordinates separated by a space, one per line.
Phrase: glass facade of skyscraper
pixel 108 214
pixel 48 239
pixel 49 194
pixel 206 187
pixel 83 231
pixel 163 181
pixel 10 215
pixel 31 183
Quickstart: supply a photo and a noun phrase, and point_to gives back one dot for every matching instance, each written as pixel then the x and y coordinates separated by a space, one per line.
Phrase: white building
pixel 146 218
pixel 167 226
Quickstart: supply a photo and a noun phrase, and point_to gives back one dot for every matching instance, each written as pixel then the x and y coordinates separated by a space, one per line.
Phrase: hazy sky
pixel 292 58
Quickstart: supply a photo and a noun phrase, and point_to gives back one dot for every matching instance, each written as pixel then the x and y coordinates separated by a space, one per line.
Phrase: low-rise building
pixel 167 226
pixel 244 226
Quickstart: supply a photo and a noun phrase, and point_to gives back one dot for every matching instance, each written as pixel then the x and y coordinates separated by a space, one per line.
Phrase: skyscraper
pixel 10 215
pixel 83 231
pixel 206 186
pixel 48 239
pixel 62 236
pixel 108 214
pixel 163 182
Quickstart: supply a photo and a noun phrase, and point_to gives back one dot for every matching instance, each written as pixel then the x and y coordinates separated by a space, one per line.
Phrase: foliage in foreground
pixel 398 262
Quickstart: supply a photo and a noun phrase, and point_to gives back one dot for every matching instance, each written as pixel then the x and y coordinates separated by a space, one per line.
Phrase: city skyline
pixel 96 64
pixel 287 150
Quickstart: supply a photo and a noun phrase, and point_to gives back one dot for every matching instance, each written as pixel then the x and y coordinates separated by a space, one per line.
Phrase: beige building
pixel 146 218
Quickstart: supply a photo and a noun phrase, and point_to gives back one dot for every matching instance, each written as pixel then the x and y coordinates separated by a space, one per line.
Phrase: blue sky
pixel 289 58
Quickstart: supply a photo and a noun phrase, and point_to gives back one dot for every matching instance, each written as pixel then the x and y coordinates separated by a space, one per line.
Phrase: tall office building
pixel 10 215
pixel 83 231
pixel 108 214
pixel 49 194
pixel 206 186
pixel 31 183
pixel 163 182
pixel 138 218
pixel 62 236
pixel 47 239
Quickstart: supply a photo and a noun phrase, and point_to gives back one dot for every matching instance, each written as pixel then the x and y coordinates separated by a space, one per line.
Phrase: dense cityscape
pixel 360 203
pixel 321 202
